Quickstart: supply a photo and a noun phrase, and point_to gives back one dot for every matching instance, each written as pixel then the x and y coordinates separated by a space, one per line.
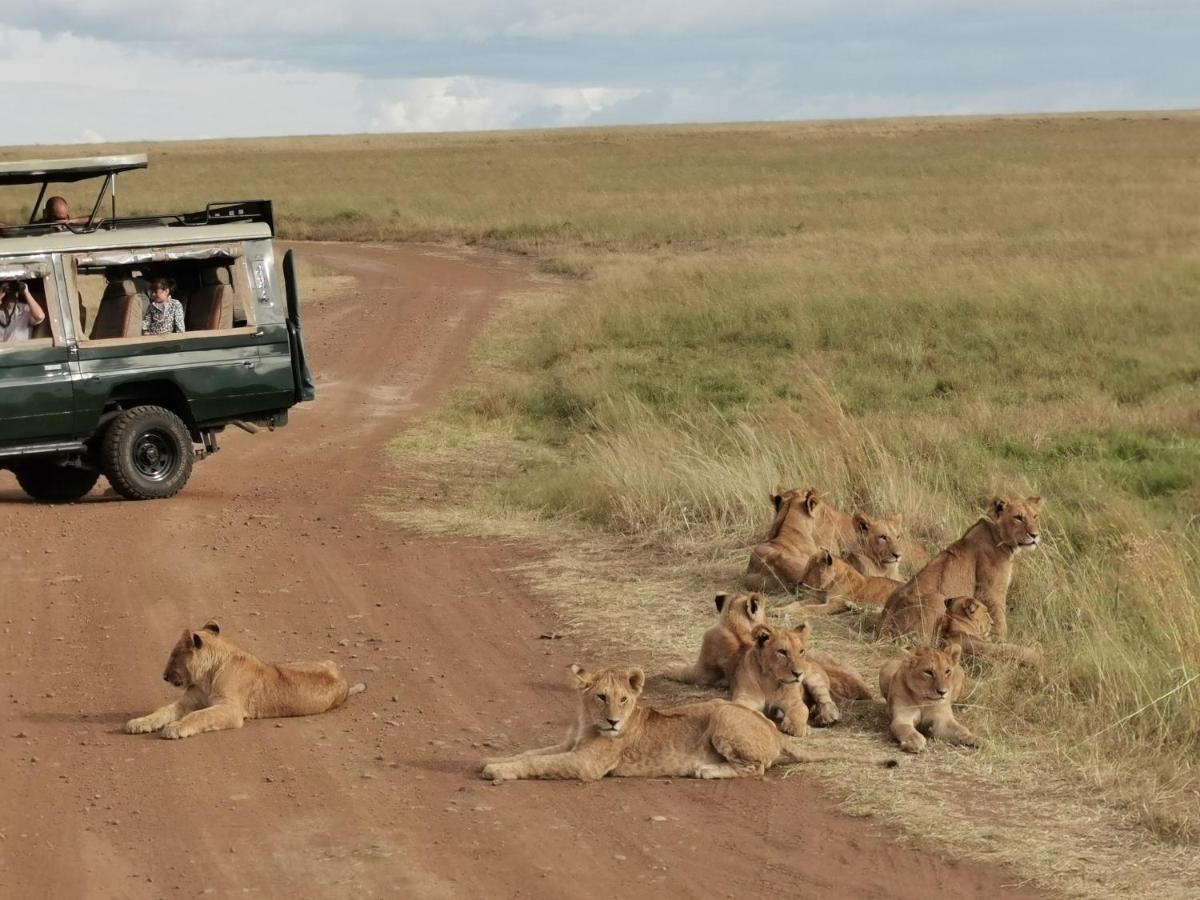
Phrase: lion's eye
pixel 929 672
pixel 781 652
pixel 947 671
pixel 603 698
pixel 624 700
pixel 1019 518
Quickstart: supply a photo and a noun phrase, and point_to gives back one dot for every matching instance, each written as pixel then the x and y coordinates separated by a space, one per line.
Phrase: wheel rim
pixel 155 455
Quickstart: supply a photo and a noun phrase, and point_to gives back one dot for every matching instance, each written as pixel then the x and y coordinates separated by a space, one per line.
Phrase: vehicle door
pixel 36 393
pixel 213 367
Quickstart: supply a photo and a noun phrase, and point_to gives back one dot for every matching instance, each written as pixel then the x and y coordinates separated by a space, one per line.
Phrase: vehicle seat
pixel 209 308
pixel 120 311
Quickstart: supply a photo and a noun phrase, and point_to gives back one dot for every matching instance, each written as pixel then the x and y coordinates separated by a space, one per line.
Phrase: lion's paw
pixel 173 732
pixel 144 725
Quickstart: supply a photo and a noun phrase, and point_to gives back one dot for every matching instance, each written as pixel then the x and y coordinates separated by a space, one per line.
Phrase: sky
pixel 78 71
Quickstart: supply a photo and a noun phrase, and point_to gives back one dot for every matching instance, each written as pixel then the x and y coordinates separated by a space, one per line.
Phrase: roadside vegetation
pixel 911 316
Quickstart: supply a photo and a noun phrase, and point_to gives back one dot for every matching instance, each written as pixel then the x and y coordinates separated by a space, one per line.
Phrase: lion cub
pixel 919 688
pixel 724 642
pixel 968 623
pixel 839 586
pixel 614 735
pixel 778 675
pixel 224 686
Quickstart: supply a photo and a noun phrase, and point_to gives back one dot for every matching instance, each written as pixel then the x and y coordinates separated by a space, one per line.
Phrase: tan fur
pixel 919 688
pixel 803 524
pixel 616 736
pixel 778 676
pixel 875 546
pixel 967 623
pixel 224 686
pixel 838 587
pixel 723 643
pixel 979 564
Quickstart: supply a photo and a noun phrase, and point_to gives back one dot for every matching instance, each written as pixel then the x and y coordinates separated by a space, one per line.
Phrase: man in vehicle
pixel 20 313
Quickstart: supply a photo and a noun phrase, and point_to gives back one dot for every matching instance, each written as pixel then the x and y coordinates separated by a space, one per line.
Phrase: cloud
pixel 123 69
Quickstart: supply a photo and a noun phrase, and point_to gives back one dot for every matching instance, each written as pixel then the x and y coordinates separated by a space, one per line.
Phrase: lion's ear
pixel 756 600
pixel 861 523
pixel 197 641
pixel 776 501
pixel 971 606
pixel 761 635
pixel 720 601
pixel 637 679
pixel 949 603
pixel 212 627
pixel 811 501
pixel 583 678
pixel 955 652
pixel 827 557
pixel 1036 503
pixel 802 629
pixel 998 505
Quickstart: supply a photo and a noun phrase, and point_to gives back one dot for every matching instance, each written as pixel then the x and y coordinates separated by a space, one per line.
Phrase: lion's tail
pixel 356 689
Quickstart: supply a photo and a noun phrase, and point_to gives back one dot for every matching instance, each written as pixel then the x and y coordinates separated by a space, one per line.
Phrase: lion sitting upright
pixel 979 564
pixel 224 686
pixel 614 735
pixel 919 688
pixel 724 642
pixel 803 524
pixel 875 545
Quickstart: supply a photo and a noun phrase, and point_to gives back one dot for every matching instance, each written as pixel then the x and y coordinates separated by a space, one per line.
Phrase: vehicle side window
pixel 167 296
pixel 25 325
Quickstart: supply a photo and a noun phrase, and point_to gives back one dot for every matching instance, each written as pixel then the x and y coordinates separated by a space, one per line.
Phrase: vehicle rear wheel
pixel 50 482
pixel 146 453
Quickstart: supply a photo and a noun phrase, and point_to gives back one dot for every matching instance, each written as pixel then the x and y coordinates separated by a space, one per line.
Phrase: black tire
pixel 49 482
pixel 146 453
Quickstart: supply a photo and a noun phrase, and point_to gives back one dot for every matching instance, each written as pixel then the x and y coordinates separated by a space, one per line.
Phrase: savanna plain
pixel 911 316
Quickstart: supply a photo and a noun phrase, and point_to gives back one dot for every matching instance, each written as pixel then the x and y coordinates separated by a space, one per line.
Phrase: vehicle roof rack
pixel 68 171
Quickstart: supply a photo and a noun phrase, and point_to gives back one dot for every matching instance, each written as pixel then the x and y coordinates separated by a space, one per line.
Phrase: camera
pixel 16 288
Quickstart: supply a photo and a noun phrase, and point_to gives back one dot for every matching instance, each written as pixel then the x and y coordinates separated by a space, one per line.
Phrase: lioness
pixel 838 586
pixel 919 688
pixel 724 642
pixel 778 676
pixel 614 735
pixel 224 686
pixel 967 623
pixel 979 564
pixel 873 545
pixel 803 523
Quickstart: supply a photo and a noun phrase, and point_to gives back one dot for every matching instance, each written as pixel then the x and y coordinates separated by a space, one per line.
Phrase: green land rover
pixel 89 385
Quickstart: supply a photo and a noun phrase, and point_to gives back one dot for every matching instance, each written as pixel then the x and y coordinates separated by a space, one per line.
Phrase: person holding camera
pixel 20 313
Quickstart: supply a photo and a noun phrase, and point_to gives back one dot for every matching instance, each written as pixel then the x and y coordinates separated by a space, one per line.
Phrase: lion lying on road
pixel 780 677
pixel 979 564
pixel 919 688
pixel 616 736
pixel 724 642
pixel 223 686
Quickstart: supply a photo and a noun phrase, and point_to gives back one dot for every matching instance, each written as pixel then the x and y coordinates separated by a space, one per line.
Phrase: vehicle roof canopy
pixel 65 171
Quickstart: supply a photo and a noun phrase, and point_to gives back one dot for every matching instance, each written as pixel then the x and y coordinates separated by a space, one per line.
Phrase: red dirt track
pixel 380 798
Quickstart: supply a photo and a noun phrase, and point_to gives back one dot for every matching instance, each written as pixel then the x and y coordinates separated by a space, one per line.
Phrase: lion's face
pixel 821 572
pixel 968 616
pixel 609 697
pixel 800 505
pixel 781 652
pixel 880 538
pixel 742 611
pixel 929 673
pixel 1017 521
pixel 190 657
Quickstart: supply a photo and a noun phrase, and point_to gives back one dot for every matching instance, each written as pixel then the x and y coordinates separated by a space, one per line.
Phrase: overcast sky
pixel 88 70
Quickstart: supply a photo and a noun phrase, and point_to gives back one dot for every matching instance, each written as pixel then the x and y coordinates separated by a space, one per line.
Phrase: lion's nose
pixel 795 674
pixel 167 678
pixel 941 692
pixel 613 722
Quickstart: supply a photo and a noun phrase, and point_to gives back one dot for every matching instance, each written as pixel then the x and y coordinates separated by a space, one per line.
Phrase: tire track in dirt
pixel 380 798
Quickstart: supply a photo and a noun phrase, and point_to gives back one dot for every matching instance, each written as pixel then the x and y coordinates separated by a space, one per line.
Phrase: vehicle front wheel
pixel 146 453
pixel 50 482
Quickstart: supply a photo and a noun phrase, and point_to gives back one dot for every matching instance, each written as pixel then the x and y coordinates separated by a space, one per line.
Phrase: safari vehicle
pixel 86 393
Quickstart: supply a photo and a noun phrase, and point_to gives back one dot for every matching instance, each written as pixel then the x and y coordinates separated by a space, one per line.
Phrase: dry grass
pixel 911 315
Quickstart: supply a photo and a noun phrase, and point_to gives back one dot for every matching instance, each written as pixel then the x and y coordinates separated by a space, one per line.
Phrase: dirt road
pixel 379 798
